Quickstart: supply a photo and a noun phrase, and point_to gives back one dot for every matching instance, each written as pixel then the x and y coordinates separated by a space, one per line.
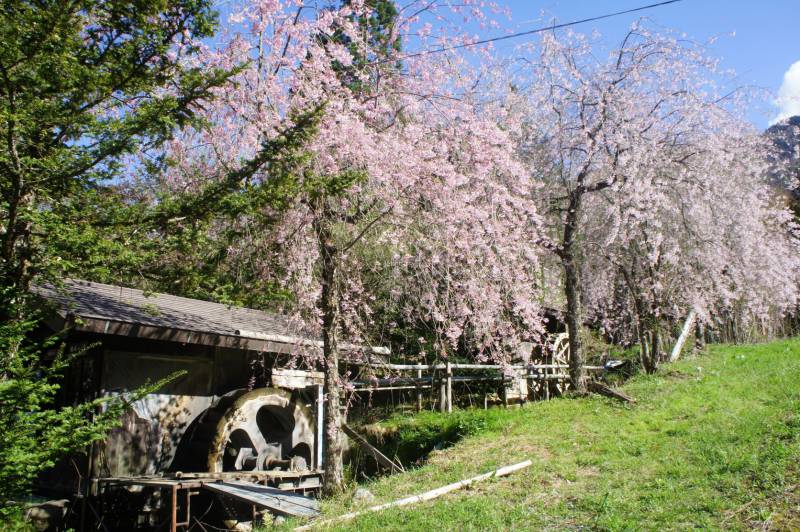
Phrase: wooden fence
pixel 510 379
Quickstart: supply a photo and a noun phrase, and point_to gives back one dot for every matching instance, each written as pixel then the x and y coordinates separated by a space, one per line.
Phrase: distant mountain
pixel 785 135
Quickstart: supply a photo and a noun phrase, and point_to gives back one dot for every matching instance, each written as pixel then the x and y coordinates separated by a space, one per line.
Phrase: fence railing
pixel 445 375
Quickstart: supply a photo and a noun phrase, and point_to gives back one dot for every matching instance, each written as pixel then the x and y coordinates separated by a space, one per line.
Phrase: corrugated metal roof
pixel 86 299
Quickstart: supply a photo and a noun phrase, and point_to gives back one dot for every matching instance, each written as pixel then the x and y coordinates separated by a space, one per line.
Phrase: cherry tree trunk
pixel 650 343
pixel 333 478
pixel 644 352
pixel 573 319
pixel 699 336
pixel 572 286
pixel 655 347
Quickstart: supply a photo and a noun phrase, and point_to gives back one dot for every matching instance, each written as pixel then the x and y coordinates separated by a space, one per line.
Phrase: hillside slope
pixel 785 136
pixel 711 443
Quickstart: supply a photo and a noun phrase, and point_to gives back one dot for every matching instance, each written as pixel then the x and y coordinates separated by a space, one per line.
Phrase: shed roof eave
pixel 182 336
pixel 293 340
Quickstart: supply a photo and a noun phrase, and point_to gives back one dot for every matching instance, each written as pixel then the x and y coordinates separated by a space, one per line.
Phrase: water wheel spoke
pixel 258 439
pixel 560 355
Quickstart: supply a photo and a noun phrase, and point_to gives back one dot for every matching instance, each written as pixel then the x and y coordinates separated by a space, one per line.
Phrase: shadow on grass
pixel 410 440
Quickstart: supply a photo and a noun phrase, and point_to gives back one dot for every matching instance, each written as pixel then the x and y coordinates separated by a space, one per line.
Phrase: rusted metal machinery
pixel 255 450
pixel 236 436
pixel 259 430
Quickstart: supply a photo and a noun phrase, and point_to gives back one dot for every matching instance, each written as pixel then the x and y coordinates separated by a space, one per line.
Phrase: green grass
pixel 711 443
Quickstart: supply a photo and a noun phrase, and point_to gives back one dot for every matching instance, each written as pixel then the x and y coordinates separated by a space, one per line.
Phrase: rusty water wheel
pixel 559 354
pixel 276 427
pixel 259 430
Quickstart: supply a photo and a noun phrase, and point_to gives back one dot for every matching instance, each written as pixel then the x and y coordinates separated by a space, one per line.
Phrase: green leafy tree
pixel 83 84
pixel 180 243
pixel 377 42
pixel 34 434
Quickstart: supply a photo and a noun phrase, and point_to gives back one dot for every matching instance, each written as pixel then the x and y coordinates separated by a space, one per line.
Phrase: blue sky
pixel 766 42
pixel 759 39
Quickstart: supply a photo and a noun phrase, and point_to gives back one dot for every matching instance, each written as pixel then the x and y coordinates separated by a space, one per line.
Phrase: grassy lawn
pixel 712 443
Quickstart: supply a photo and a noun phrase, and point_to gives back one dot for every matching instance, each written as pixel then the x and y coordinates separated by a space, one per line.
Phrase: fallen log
pixel 428 495
pixel 602 389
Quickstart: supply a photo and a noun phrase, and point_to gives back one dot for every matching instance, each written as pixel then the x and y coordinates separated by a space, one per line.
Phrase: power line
pixel 524 33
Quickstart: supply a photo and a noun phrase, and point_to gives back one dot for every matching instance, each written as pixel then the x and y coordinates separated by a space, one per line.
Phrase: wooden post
pixel 449 388
pixel 442 394
pixel 546 384
pixel 528 386
pixel 320 430
pixel 173 523
pixel 419 390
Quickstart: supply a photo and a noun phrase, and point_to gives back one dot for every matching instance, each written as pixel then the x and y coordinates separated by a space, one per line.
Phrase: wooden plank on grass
pixel 602 389
pixel 276 500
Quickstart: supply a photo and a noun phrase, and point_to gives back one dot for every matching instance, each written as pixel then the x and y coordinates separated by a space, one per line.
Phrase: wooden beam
pixel 602 389
pixel 375 453
pixel 385 388
pixel 431 367
pixel 276 500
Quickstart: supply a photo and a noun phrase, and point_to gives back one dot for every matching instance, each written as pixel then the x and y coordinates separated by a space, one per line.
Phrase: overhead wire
pixel 525 33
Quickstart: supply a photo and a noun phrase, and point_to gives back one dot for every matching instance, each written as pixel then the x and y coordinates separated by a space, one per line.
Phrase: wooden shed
pixel 240 408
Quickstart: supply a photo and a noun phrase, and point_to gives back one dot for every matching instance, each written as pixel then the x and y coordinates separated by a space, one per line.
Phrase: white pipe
pixel 428 495
pixel 687 326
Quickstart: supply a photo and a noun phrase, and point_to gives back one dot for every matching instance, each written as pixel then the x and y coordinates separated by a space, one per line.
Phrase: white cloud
pixel 788 100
